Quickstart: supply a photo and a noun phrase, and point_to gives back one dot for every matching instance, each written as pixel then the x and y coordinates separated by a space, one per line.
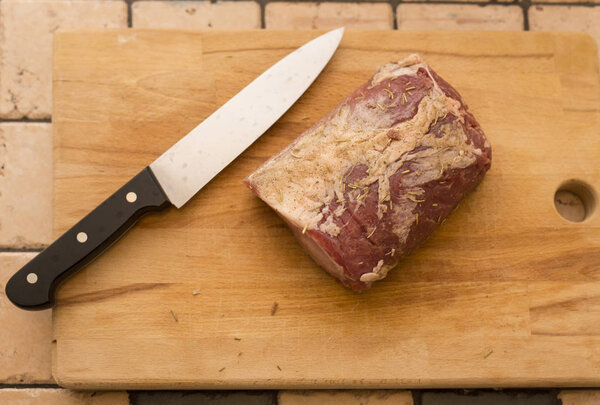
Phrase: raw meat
pixel 374 178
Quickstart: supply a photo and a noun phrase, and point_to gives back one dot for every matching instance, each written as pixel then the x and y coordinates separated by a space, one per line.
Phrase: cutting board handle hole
pixel 575 200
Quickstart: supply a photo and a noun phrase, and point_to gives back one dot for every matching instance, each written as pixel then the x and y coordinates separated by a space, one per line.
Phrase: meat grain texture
pixel 374 178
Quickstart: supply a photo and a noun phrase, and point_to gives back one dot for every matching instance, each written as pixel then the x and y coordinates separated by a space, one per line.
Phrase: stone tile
pixel 50 396
pixel 579 397
pixel 308 15
pixel 204 398
pixel 25 346
pixel 25 185
pixel 196 14
pixel 486 397
pixel 566 18
pixel 373 397
pixel 26 28
pixel 459 17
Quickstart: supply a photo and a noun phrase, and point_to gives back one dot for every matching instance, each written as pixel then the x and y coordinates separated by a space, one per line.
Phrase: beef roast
pixel 375 177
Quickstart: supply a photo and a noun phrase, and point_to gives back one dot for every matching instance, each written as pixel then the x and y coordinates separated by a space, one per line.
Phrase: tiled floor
pixel 26 31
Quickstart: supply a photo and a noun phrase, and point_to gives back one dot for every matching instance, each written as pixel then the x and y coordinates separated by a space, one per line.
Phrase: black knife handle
pixel 34 285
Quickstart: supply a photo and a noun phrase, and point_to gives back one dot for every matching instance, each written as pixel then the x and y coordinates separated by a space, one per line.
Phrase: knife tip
pixel 339 30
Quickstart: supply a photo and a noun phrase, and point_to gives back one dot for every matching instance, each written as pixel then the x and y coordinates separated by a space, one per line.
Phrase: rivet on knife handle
pixel 34 285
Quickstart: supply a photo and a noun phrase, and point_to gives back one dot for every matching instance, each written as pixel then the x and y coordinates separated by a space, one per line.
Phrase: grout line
pixel 129 13
pixel 394 4
pixel 263 13
pixel 211 395
pixel 510 395
pixel 44 120
pixel 416 396
pixel 20 250
pixel 525 4
pixel 27 386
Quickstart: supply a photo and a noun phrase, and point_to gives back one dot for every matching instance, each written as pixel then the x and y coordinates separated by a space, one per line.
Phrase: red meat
pixel 374 178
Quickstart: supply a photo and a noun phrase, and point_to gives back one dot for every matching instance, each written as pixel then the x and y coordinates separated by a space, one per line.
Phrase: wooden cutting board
pixel 505 293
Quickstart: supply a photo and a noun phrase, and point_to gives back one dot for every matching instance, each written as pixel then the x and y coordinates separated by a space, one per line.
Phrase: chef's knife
pixel 177 174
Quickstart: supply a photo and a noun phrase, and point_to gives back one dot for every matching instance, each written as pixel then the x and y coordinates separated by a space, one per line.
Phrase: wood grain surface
pixel 505 293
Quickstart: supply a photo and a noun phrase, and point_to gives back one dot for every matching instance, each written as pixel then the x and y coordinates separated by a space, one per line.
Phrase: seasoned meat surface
pixel 374 178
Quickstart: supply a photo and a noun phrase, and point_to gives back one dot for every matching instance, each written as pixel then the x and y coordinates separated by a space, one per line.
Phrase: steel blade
pixel 200 155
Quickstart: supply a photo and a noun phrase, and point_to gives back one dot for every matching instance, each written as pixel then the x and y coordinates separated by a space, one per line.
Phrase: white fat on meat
pixel 304 178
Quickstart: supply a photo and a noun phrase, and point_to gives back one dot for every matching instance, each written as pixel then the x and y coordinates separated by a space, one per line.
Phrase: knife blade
pixel 178 174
